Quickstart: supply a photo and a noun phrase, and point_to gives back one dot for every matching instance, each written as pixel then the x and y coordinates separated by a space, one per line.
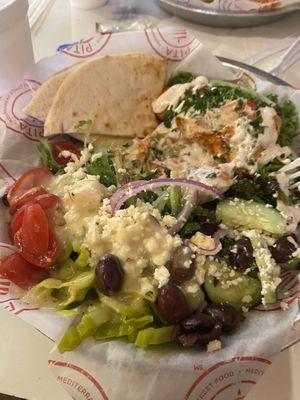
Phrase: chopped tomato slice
pixel 250 104
pixel 32 178
pixel 58 147
pixel 17 220
pixel 43 261
pixel 26 197
pixel 46 201
pixel 21 272
pixel 35 230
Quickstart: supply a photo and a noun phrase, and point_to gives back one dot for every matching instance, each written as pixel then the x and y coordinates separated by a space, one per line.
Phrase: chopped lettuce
pixel 59 293
pixel 103 167
pixel 154 336
pixel 82 255
pixel 130 305
pixel 46 157
pixel 122 328
pixel 95 315
pixel 70 341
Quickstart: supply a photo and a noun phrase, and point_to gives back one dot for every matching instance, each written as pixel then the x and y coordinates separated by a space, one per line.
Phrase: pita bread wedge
pixel 41 101
pixel 114 92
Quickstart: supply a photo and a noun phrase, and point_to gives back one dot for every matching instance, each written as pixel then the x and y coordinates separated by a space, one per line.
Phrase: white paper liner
pixel 115 370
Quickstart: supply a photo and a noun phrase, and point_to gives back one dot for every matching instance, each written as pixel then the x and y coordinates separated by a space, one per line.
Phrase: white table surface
pixel 23 350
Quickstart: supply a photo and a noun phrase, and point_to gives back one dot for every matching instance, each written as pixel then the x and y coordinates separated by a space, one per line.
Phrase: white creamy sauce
pixel 172 95
pixel 270 134
pixel 273 151
pixel 283 180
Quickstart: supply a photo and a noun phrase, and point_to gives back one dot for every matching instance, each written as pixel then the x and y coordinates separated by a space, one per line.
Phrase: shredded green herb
pixel 181 77
pixel 265 169
pixel 289 120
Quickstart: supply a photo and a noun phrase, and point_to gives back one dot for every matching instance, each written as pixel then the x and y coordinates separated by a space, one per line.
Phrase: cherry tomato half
pixel 43 261
pixel 58 147
pixel 21 272
pixel 35 230
pixel 32 178
pixel 26 197
pixel 46 201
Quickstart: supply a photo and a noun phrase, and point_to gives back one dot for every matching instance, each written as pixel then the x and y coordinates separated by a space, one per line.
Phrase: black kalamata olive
pixel 182 265
pixel 201 338
pixel 189 339
pixel 109 274
pixel 172 303
pixel 284 248
pixel 198 321
pixel 226 315
pixel 5 201
pixel 241 254
pixel 207 225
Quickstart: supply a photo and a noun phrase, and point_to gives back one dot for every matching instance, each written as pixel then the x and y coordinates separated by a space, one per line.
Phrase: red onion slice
pixel 185 213
pixel 132 188
pixel 216 246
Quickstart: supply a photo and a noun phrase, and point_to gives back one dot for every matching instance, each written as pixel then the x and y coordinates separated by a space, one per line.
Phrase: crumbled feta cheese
pixel 284 306
pixel 204 241
pixel 192 287
pixel 247 299
pixel 162 275
pixel 67 153
pixel 214 345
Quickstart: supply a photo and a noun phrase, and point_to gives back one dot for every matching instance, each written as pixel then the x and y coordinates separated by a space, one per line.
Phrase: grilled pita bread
pixel 41 101
pixel 114 92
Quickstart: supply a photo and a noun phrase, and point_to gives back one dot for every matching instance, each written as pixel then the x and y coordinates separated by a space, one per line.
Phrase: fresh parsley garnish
pixel 212 175
pixel 227 243
pixel 168 117
pixel 181 77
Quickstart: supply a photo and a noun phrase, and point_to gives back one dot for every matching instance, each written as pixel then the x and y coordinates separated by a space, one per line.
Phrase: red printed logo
pixel 14 118
pixel 88 47
pixel 175 44
pixel 78 382
pixel 228 379
pixel 4 287
pixel 6 178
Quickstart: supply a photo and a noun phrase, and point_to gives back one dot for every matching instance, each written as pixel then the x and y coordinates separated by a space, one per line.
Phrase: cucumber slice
pixel 232 287
pixel 251 215
pixel 293 264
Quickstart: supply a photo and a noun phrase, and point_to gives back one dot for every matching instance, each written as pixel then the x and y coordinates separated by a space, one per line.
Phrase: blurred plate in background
pixel 230 13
